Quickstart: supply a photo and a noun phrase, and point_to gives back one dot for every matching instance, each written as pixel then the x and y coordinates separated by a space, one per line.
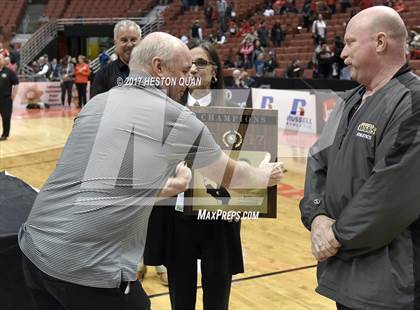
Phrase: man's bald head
pixel 381 19
pixel 375 45
pixel 157 44
pixel 163 56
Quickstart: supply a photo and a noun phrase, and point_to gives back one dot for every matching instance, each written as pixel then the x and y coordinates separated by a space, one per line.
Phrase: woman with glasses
pixel 184 239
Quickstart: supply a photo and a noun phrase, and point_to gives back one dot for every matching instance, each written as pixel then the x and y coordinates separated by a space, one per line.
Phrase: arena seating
pixel 11 12
pixel 55 8
pixel 298 43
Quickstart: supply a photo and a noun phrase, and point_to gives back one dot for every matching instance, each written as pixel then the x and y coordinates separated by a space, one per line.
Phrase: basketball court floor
pixel 279 268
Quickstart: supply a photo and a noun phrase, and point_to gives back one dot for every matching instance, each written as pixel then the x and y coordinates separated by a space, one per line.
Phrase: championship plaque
pixel 243 134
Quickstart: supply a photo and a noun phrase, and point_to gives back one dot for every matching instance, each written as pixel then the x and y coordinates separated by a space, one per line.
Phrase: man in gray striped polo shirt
pixel 87 229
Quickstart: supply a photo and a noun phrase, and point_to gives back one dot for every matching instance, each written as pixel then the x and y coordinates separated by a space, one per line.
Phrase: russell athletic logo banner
pixel 296 109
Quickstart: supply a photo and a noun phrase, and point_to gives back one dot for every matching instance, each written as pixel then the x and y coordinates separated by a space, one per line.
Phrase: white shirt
pixel 319 27
pixel 203 102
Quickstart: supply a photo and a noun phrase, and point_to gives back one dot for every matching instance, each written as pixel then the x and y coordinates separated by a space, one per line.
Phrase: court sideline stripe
pixel 250 277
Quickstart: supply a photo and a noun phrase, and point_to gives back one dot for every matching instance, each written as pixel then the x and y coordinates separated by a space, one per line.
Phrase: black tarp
pixel 16 199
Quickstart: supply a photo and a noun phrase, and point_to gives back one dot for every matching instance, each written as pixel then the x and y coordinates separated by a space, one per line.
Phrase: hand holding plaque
pixel 245 180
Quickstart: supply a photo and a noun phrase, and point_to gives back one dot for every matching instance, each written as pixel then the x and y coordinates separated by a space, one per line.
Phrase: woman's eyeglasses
pixel 202 63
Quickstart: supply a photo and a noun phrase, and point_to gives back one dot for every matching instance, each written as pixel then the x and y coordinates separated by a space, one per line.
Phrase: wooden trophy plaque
pixel 243 134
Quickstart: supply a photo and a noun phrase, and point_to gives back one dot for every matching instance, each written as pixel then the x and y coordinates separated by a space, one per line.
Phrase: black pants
pixel 81 93
pixel 6 109
pixel 341 307
pixel 53 294
pixel 66 87
pixel 182 271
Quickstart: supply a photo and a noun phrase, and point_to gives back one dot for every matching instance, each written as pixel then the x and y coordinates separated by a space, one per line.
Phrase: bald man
pixel 361 200
pixel 87 228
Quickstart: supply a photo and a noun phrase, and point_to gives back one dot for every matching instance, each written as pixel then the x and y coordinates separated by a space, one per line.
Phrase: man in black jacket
pixel 127 35
pixel 361 199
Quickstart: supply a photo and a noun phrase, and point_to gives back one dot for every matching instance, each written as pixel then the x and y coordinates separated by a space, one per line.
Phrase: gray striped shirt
pixel 88 224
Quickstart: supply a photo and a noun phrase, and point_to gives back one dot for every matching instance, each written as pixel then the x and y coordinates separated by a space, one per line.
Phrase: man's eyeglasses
pixel 202 63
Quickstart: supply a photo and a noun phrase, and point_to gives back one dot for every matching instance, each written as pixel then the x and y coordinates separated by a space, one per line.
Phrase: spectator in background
pixel 228 15
pixel 194 5
pixel 263 34
pixel 239 61
pixel 294 70
pixel 319 29
pixel 196 31
pixel 55 71
pixel 208 15
pixel 260 65
pixel 236 78
pixel 268 4
pixel 323 9
pixel 288 7
pixel 66 82
pixel 325 61
pixel 229 60
pixel 276 34
pixel 3 50
pixel 400 6
pixel 221 11
pixel 247 81
pixel 185 6
pixel 271 64
pixel 82 73
pixel 221 38
pixel 103 58
pixel 246 50
pixel 232 28
pixel 268 12
pixel 43 69
pixel 344 5
pixel 268 9
pixel 258 49
pixel 277 6
pixel 315 59
pixel 307 14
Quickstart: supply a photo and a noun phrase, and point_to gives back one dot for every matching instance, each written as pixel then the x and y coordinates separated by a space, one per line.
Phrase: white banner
pixel 297 109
